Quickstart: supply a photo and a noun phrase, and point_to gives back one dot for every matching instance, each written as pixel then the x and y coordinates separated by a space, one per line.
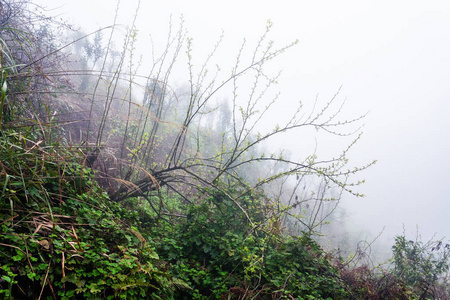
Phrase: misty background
pixel 391 59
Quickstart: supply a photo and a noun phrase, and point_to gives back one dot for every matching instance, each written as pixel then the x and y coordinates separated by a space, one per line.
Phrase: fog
pixel 391 59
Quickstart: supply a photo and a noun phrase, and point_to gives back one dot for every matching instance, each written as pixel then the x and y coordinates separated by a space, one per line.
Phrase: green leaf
pixel 31 275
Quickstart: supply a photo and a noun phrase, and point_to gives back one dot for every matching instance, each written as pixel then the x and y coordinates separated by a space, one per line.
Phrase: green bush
pixel 220 255
pixel 422 266
pixel 61 235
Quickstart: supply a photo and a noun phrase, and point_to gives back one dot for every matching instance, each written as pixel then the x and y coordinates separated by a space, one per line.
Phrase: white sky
pixel 392 58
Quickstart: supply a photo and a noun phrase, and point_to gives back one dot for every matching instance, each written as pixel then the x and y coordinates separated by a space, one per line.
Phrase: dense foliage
pixel 61 231
pixel 106 197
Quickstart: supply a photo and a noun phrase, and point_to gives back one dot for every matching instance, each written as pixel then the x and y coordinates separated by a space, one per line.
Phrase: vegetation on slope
pixel 105 195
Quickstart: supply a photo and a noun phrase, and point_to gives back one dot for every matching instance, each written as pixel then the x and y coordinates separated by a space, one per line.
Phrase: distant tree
pixel 29 57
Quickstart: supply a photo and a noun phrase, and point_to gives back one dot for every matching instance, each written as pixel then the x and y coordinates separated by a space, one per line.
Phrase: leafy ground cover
pixel 63 238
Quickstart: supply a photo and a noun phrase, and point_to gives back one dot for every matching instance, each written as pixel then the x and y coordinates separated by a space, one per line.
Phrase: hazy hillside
pixel 117 184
